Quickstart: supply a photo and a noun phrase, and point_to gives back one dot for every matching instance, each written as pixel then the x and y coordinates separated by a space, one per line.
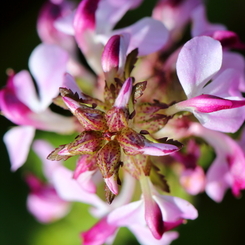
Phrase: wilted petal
pixel 18 141
pixel 199 59
pixel 47 64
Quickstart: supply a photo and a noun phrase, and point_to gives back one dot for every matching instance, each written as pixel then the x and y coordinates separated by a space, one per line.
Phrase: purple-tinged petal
pixel 198 61
pixel 145 237
pixel 44 203
pixel 42 148
pixel 201 26
pixel 175 208
pixel 70 190
pixel 124 94
pixel 100 233
pixel 110 12
pixel 18 141
pixel 47 64
pixel 148 35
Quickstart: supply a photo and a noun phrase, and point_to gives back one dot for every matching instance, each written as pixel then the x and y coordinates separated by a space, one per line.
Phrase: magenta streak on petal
pixel 208 103
pixel 99 233
pixel 72 104
pixel 171 225
pixel 110 55
pixel 85 16
pixel 228 39
pixel 124 94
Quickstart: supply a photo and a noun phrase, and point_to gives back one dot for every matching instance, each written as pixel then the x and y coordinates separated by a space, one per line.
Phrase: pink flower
pixel 20 103
pixel 228 168
pixel 211 103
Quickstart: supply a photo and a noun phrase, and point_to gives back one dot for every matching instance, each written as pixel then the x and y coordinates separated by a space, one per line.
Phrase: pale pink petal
pixel 193 180
pixel 70 190
pixel 225 121
pixel 175 208
pixel 147 34
pixel 65 24
pixel 110 12
pixel 70 83
pixel 201 26
pixel 199 59
pixel 86 182
pixel 144 236
pixel 25 90
pixel 42 148
pixel 218 179
pixel 129 214
pixel 18 141
pixel 225 84
pixel 47 64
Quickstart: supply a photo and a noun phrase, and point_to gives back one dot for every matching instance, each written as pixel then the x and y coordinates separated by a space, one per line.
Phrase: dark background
pixel 217 223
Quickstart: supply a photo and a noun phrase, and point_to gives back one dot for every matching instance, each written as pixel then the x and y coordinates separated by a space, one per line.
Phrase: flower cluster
pixel 147 109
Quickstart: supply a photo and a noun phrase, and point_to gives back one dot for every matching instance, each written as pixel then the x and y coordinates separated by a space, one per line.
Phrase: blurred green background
pixel 217 223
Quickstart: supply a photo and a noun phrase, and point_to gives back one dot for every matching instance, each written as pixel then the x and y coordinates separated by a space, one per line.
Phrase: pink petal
pixel 100 233
pixel 86 182
pixel 218 178
pixel 70 190
pixel 225 121
pixel 158 149
pixel 147 34
pixel 70 83
pixel 18 141
pixel 124 94
pixel 199 59
pixel 144 236
pixel 175 208
pixel 201 26
pixel 129 214
pixel 25 90
pixel 65 24
pixel 110 12
pixel 42 148
pixel 47 64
